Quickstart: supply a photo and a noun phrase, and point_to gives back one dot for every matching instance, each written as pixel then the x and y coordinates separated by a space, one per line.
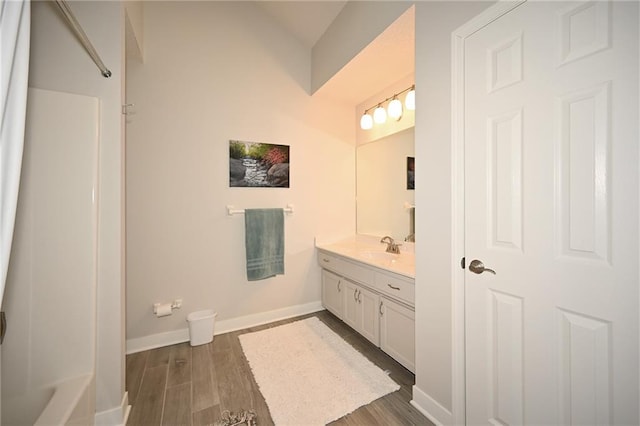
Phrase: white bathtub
pixel 71 402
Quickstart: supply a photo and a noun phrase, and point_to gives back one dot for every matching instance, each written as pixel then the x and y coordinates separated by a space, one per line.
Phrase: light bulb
pixel 394 110
pixel 366 122
pixel 410 100
pixel 380 115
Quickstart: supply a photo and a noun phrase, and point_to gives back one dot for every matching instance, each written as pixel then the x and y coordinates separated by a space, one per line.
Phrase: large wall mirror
pixel 383 186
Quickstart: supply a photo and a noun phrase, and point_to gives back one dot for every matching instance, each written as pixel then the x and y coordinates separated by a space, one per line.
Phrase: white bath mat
pixel 309 375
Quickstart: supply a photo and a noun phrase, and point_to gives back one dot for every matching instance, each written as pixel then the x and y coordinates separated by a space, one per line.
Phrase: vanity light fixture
pixel 410 100
pixel 366 122
pixel 379 114
pixel 394 109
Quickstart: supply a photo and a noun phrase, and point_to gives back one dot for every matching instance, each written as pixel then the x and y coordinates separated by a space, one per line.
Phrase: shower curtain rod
pixel 75 25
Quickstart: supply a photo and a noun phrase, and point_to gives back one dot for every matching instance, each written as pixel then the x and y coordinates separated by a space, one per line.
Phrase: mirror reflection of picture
pixel 411 173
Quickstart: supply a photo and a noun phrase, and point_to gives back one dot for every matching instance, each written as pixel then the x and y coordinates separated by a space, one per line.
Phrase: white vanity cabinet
pixel 376 303
pixel 361 311
pixel 332 293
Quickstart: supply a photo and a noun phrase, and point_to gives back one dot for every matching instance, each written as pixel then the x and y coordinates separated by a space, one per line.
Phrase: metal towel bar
pixel 232 211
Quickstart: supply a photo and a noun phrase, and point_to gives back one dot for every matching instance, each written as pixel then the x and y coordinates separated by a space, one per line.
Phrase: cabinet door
pixel 333 293
pixel 397 332
pixel 351 314
pixel 368 314
pixel 361 311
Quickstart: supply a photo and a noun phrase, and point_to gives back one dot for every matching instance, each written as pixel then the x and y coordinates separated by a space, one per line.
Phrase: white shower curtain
pixel 15 20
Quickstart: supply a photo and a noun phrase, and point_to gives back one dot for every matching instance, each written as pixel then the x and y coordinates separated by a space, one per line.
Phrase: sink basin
pixel 379 255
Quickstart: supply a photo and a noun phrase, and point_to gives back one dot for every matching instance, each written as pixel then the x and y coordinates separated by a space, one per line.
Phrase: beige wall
pixel 134 12
pixel 435 21
pixel 58 62
pixel 216 71
pixel 357 25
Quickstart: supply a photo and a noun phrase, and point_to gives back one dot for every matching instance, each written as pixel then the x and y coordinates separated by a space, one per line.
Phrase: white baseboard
pixel 140 344
pixel 127 409
pixel 253 320
pixel 117 416
pixel 431 408
pixel 158 340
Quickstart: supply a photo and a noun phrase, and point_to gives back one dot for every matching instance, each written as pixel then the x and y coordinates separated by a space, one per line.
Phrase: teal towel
pixel 264 242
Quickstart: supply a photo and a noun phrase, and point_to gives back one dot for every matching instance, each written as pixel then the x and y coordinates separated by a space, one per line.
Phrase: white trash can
pixel 201 326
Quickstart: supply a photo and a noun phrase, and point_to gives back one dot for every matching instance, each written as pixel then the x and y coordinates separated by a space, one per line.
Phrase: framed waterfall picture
pixel 256 164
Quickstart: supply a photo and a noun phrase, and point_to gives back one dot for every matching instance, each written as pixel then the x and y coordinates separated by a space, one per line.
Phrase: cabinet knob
pixel 381 313
pixel 395 288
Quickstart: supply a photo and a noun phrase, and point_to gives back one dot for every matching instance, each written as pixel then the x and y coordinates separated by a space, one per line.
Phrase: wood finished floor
pixel 184 385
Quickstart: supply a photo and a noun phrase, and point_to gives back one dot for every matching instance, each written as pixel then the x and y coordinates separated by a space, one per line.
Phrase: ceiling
pixel 305 20
pixel 387 59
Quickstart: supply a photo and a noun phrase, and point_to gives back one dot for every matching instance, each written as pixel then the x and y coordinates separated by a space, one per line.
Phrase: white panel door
pixel 551 204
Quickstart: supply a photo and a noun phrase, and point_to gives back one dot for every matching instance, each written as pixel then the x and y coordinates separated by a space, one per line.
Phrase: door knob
pixel 477 267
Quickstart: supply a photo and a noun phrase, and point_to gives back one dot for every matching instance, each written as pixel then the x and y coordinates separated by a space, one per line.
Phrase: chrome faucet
pixel 392 246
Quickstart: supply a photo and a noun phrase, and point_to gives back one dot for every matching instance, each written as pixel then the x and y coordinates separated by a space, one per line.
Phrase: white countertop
pixel 371 251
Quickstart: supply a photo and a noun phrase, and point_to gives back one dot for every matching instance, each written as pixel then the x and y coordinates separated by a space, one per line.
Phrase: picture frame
pixel 411 173
pixel 258 165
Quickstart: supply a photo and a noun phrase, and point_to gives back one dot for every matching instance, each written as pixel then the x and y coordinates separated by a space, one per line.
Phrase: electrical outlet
pixel 177 304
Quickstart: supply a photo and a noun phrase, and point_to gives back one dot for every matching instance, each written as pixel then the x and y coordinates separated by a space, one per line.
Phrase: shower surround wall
pixel 212 72
pixel 50 299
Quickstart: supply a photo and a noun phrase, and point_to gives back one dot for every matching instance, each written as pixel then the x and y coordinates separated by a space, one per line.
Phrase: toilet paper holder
pixel 176 304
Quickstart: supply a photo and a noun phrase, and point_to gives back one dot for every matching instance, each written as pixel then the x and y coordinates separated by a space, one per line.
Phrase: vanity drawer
pixel 396 287
pixel 346 268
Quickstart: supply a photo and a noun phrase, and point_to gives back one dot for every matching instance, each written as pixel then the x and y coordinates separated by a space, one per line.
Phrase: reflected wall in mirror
pixel 381 186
